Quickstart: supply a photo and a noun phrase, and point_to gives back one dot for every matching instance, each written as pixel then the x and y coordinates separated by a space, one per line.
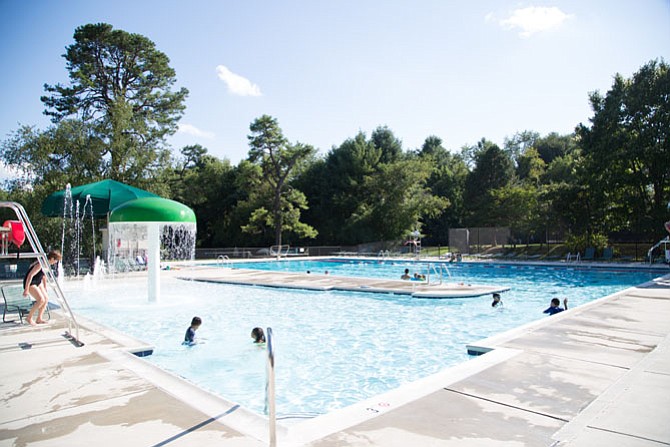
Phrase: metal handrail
pixel 35 244
pixel 666 240
pixel 270 389
pixel 438 269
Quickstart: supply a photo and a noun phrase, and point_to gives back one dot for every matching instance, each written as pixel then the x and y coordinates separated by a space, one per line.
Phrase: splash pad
pixel 144 231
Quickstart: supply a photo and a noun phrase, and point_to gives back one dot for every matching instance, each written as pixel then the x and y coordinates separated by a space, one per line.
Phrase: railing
pixel 33 240
pixel 270 390
pixel 222 260
pixel 663 242
pixel 279 250
pixel 439 269
pixel 576 257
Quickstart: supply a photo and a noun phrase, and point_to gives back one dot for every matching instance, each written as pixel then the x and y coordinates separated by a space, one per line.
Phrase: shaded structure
pixel 104 195
pixel 159 222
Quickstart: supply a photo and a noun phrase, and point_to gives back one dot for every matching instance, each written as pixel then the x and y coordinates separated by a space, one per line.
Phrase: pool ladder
pixel 72 333
pixel 439 270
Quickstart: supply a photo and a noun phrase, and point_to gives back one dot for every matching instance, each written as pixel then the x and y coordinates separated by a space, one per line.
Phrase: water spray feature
pixel 144 231
pixel 75 205
pixel 73 239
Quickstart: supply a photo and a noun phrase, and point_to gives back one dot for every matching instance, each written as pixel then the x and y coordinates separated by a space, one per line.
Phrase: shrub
pixel 580 242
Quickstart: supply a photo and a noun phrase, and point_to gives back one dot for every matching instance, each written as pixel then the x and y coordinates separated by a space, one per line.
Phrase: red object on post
pixel 17 235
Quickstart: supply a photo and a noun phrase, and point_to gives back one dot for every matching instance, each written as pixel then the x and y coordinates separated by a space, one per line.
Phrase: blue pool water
pixel 332 348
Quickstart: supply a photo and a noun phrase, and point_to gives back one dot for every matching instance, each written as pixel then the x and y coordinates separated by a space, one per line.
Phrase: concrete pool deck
pixel 324 282
pixel 598 374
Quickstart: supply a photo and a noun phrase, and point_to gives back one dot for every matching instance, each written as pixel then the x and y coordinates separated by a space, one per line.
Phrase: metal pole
pixel 270 390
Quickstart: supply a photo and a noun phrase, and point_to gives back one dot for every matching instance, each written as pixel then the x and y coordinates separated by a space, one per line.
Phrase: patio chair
pixel 608 254
pixel 589 254
pixel 16 302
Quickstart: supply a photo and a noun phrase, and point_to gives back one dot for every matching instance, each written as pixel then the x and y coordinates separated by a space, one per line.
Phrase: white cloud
pixel 534 19
pixel 190 129
pixel 237 84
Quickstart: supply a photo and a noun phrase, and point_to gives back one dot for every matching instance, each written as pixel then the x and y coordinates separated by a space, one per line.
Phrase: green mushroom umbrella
pixel 105 196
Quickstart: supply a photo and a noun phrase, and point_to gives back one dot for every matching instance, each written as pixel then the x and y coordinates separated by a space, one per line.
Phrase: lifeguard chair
pixel 12 232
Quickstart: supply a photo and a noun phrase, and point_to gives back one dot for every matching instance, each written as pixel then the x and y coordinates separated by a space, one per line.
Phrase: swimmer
pixel 555 306
pixel 189 337
pixel 258 335
pixel 496 300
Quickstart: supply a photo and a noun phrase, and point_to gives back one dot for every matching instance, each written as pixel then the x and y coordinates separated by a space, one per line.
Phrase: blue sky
pixel 460 70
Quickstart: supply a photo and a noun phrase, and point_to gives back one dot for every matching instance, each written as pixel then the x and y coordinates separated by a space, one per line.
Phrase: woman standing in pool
pixel 35 285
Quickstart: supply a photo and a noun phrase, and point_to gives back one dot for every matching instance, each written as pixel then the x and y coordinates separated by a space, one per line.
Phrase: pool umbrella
pixel 105 196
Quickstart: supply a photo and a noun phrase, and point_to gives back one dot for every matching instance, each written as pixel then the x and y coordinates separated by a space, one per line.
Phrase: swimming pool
pixel 332 348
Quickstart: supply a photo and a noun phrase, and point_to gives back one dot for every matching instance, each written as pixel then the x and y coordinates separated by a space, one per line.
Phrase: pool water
pixel 332 348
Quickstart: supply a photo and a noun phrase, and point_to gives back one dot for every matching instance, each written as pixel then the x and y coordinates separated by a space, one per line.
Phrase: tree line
pixel 609 178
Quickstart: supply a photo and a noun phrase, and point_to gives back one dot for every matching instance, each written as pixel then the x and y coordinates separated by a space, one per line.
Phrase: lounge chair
pixel 589 254
pixel 608 254
pixel 16 302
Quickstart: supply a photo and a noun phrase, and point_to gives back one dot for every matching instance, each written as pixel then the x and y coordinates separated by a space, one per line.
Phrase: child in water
pixel 189 337
pixel 496 300
pixel 555 306
pixel 258 335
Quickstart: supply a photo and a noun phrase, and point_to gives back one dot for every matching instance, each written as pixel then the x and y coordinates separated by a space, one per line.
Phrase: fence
pixel 265 252
pixel 471 240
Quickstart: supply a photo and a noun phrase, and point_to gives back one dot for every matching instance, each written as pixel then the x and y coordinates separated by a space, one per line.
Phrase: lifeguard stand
pixel 414 242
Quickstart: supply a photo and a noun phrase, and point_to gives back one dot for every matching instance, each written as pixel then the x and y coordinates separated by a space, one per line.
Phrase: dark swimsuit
pixel 37 279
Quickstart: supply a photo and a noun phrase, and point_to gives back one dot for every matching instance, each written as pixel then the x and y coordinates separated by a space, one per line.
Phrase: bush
pixel 580 242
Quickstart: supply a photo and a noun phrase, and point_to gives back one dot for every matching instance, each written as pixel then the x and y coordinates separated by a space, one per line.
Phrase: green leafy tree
pixel 342 181
pixel 397 200
pixel 554 145
pixel 519 143
pixel 627 152
pixel 207 185
pixel 121 86
pixel 493 169
pixel 516 206
pixel 64 153
pixel 530 166
pixel 447 180
pixel 390 146
pixel 563 197
pixel 46 161
pixel 278 161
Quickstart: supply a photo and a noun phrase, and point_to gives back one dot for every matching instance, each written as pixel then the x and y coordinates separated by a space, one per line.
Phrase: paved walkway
pixel 431 288
pixel 596 375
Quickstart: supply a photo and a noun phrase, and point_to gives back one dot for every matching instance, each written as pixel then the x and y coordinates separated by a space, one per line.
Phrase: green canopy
pixel 152 209
pixel 105 196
